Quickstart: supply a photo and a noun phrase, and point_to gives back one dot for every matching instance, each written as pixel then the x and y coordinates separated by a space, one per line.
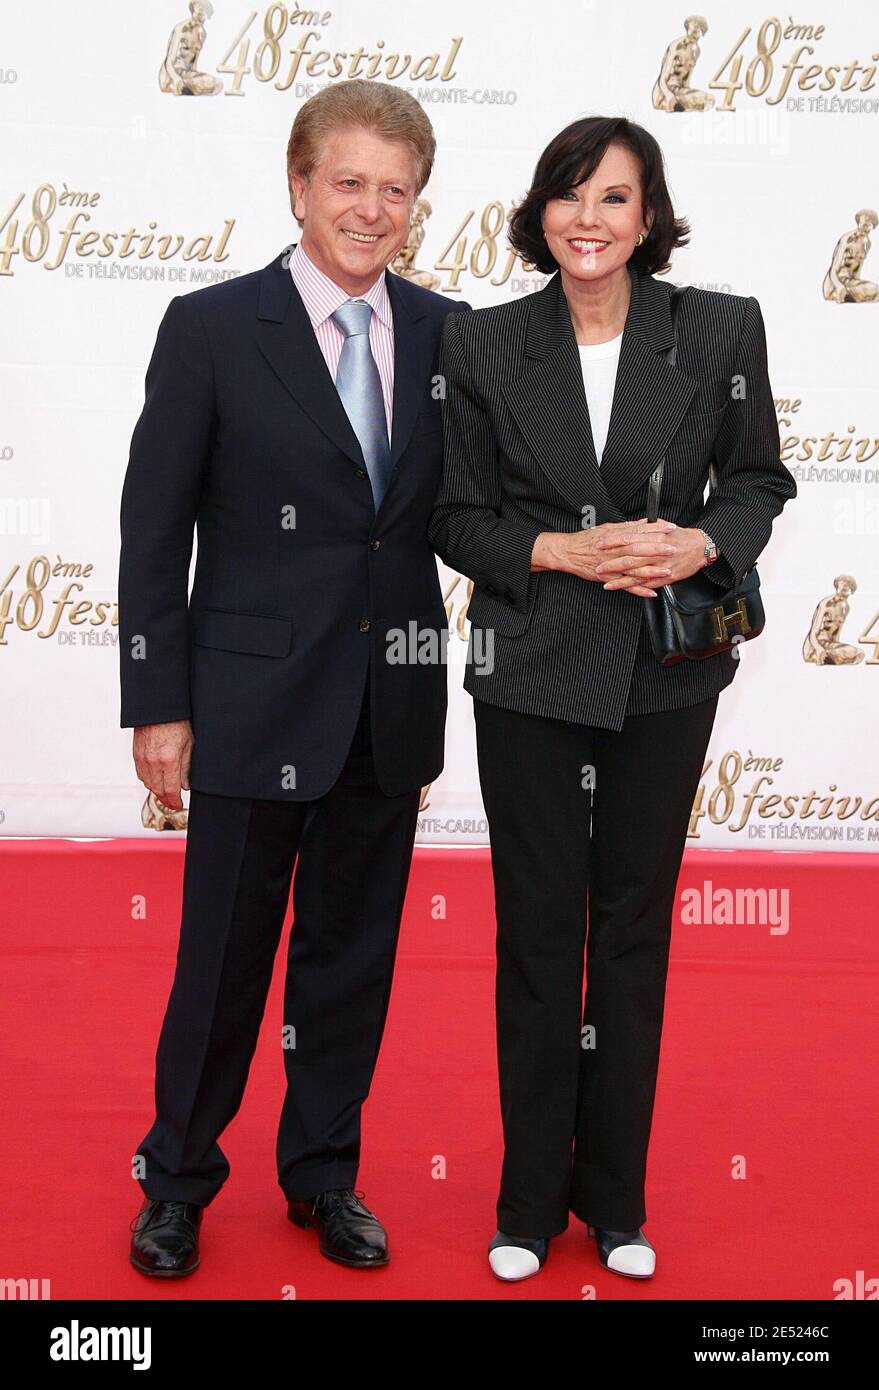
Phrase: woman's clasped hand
pixel 634 555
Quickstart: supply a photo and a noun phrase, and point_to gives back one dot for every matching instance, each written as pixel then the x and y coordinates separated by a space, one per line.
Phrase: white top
pixel 599 364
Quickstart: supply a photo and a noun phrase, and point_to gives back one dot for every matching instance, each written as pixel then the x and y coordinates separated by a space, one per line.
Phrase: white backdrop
pixel 771 183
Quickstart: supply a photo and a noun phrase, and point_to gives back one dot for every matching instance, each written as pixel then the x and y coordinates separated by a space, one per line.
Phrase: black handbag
pixel 693 619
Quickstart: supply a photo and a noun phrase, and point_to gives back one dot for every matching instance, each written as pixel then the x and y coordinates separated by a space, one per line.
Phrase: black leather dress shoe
pixel 165 1239
pixel 349 1232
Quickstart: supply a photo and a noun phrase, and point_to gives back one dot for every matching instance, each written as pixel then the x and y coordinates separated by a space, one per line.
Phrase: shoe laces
pixel 174 1211
pixel 349 1197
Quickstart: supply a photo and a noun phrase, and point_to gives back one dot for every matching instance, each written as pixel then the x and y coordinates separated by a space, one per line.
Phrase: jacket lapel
pixel 287 341
pixel 549 402
pixel 412 353
pixel 651 396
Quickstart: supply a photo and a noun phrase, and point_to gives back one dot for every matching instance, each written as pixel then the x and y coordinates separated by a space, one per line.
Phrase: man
pixel 290 415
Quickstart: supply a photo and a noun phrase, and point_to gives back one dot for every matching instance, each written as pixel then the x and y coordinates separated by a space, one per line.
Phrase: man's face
pixel 356 206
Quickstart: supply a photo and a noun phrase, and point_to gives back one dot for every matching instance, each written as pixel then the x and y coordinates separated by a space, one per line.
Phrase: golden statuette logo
pixel 843 283
pixel 672 90
pixel 404 261
pixel 155 815
pixel 179 73
pixel 456 608
pixel 823 646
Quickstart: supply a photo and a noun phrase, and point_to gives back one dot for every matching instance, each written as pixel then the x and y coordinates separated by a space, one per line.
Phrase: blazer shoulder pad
pixel 226 294
pixel 716 310
pixel 717 301
pixel 482 324
pixel 424 300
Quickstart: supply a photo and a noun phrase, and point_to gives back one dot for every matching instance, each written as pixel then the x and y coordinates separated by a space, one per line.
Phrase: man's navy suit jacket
pixel 299 585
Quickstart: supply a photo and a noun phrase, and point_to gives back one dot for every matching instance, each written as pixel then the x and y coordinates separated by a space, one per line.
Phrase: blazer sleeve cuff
pixel 133 718
pixel 508 575
pixel 728 524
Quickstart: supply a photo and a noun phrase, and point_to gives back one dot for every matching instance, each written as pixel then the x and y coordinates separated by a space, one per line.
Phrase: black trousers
pixel 585 824
pixel 354 849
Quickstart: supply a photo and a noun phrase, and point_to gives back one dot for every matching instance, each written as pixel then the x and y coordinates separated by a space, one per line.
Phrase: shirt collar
pixel 322 296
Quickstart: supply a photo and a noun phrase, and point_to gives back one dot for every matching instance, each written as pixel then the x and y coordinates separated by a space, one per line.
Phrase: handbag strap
pixel 655 484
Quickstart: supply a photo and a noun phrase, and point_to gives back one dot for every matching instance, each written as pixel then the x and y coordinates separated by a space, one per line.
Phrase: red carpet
pixel 769 1059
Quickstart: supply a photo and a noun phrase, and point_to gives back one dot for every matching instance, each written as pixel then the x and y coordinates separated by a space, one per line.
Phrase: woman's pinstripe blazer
pixel 519 459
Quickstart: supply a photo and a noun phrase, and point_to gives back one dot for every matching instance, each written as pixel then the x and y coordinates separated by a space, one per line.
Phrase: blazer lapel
pixel 287 341
pixel 651 396
pixel 549 403
pixel 412 349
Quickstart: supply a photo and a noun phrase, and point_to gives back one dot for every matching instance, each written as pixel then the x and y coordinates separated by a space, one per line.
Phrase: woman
pixel 557 408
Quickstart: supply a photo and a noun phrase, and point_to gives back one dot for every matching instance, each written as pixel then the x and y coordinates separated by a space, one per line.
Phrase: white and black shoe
pixel 517 1257
pixel 625 1252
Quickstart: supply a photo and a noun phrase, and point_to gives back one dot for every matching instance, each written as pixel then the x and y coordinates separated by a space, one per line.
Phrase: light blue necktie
pixel 360 390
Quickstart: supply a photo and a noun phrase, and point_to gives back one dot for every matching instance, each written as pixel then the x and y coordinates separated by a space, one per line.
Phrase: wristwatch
pixel 710 547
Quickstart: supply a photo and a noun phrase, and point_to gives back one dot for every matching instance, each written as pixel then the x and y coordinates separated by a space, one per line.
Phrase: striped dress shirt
pixel 322 297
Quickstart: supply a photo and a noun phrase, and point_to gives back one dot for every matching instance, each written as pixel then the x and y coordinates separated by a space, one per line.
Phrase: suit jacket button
pixel 364 625
pixel 374 545
pixel 490 589
pixel 359 472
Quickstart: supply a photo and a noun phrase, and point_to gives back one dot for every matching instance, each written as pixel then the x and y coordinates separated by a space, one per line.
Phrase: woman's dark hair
pixel 570 158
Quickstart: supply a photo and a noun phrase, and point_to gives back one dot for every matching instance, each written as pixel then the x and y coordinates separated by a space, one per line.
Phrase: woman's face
pixel 591 230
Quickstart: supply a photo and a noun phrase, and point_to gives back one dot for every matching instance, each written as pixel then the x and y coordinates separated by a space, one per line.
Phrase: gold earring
pixel 640 241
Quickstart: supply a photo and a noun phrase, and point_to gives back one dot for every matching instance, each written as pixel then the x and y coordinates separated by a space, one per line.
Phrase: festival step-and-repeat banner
pixel 144 157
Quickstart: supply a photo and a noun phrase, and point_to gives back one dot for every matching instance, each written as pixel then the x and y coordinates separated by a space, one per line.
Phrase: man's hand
pixel 162 753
